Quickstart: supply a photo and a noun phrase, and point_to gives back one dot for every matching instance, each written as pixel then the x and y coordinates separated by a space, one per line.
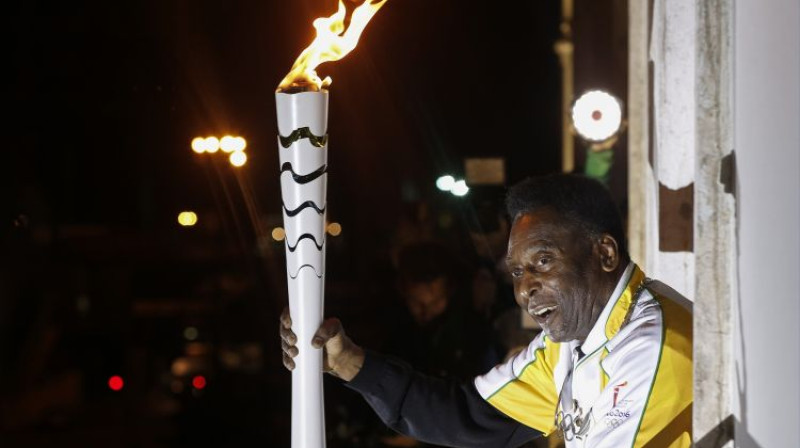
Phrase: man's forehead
pixel 544 222
pixel 541 230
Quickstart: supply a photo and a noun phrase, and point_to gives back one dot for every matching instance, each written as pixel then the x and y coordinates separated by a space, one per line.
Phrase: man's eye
pixel 543 261
pixel 516 272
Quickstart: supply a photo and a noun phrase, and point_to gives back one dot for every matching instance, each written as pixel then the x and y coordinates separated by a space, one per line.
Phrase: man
pixel 612 367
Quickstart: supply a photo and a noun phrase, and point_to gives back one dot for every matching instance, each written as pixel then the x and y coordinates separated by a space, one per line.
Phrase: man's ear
pixel 608 250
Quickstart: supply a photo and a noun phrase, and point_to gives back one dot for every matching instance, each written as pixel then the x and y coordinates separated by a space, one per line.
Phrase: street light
pixel 445 183
pixel 238 158
pixel 212 145
pixel 597 116
pixel 187 218
pixel 460 188
pixel 597 119
pixel 455 187
pixel 234 146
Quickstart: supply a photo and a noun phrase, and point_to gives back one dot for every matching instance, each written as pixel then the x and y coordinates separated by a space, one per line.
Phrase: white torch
pixel 302 107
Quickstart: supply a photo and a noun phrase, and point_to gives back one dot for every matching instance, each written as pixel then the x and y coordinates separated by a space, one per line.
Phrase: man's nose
pixel 530 286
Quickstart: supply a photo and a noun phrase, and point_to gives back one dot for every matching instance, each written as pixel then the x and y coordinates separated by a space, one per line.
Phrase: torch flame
pixel 329 45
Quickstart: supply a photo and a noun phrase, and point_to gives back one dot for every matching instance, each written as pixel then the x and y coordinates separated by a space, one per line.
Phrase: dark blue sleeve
pixel 434 410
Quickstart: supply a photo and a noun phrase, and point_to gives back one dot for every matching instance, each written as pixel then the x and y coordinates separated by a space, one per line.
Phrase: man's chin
pixel 555 336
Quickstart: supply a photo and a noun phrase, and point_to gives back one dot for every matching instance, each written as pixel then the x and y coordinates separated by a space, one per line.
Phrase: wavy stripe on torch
pixel 303 206
pixel 297 274
pixel 303 133
pixel 303 156
pixel 303 178
pixel 295 194
pixel 305 236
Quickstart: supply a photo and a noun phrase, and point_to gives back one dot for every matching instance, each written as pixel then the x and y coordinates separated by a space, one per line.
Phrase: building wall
pixel 767 142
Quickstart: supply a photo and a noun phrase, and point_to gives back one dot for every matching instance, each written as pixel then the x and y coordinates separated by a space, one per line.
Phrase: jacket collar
pixel 613 315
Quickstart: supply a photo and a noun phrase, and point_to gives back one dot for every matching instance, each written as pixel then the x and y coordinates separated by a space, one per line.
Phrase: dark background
pixel 102 101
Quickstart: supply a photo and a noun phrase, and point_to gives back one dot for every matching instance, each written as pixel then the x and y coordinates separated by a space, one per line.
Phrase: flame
pixel 329 45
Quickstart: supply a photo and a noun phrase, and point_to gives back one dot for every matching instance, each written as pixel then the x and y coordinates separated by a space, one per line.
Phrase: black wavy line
pixel 305 178
pixel 305 236
pixel 302 207
pixel 301 268
pixel 301 133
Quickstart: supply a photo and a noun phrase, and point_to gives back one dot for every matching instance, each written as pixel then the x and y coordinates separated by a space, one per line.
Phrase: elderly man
pixel 612 368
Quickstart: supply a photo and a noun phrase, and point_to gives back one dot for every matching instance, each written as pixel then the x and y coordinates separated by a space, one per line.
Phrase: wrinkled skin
pixel 558 267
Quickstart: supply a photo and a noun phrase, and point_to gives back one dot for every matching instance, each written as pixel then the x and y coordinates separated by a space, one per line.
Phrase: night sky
pixel 105 98
pixel 96 277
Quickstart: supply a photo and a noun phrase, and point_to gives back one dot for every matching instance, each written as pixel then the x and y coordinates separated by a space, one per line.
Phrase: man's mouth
pixel 542 312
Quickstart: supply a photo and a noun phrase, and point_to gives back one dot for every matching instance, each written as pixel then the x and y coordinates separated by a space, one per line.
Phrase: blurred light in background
pixel 115 383
pixel 239 144
pixel 597 115
pixel 199 382
pixel 238 158
pixel 227 144
pixel 187 218
pixel 445 183
pixel 190 333
pixel 199 145
pixel 212 144
pixel 180 367
pixel 460 188
pixel 334 229
pixel 278 234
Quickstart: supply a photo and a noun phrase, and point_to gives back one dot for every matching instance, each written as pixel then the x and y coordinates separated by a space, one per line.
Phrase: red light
pixel 199 382
pixel 115 383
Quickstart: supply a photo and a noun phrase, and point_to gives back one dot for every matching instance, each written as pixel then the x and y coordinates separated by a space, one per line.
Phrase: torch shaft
pixel 303 153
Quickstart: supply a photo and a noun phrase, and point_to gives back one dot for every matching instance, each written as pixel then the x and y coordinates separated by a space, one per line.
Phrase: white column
pixel 767 136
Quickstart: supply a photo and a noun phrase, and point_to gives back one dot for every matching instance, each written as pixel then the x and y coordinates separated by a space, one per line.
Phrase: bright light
pixel 597 115
pixel 460 188
pixel 445 183
pixel 115 383
pixel 199 382
pixel 187 218
pixel 212 144
pixel 239 144
pixel 199 145
pixel 238 158
pixel 334 229
pixel 190 333
pixel 278 234
pixel 227 144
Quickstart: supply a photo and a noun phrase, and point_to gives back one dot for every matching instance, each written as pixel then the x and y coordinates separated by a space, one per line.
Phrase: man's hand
pixel 341 357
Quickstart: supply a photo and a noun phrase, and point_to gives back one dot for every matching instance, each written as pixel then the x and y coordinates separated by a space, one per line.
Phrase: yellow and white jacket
pixel 628 385
pixel 630 382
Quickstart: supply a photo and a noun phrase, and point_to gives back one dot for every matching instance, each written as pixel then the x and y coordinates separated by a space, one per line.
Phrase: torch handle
pixel 308 417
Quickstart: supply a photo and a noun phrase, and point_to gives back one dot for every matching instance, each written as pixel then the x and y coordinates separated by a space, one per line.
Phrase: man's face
pixel 556 273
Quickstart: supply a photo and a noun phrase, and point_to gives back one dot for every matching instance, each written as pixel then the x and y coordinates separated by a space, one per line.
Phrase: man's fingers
pixel 290 350
pixel 288 335
pixel 286 318
pixel 330 328
pixel 288 362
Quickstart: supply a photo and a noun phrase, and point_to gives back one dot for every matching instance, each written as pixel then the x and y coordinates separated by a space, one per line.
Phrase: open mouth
pixel 542 313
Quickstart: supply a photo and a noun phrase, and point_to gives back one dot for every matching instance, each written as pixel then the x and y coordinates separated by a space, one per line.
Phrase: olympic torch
pixel 302 109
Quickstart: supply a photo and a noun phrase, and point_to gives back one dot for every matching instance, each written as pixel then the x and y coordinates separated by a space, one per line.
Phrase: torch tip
pixel 299 88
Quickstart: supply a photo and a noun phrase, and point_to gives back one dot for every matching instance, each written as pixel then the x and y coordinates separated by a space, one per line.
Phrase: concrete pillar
pixel 715 224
